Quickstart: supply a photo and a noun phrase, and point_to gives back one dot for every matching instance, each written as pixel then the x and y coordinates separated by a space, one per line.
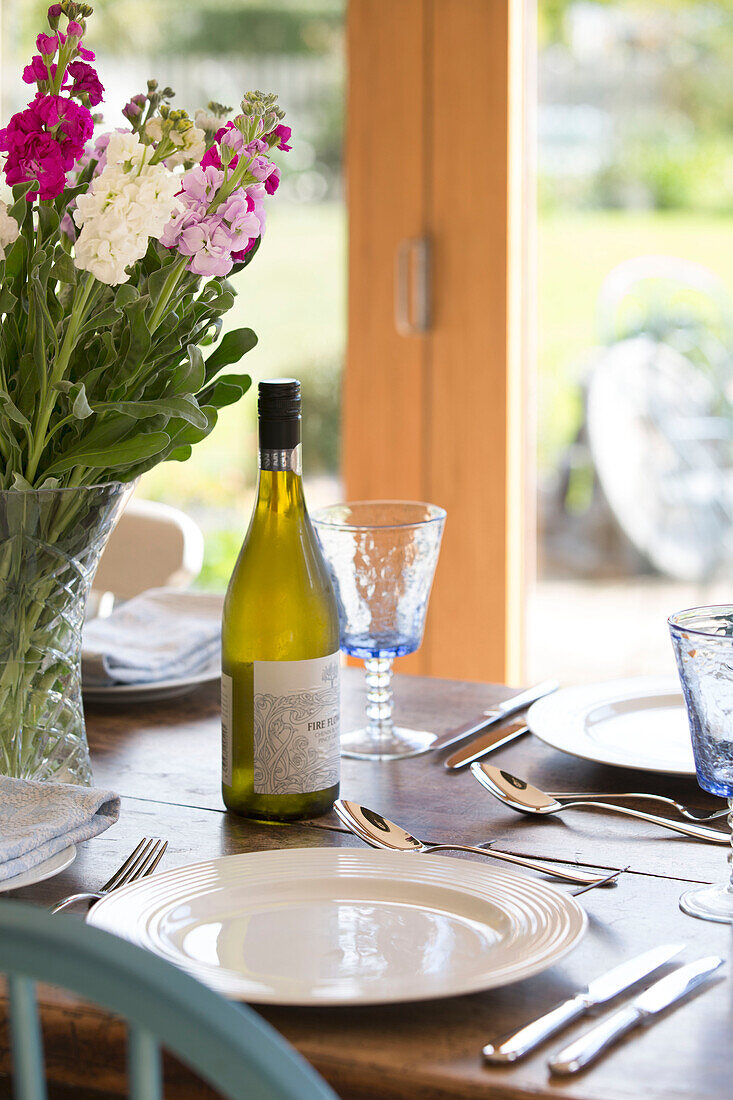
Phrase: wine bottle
pixel 280 641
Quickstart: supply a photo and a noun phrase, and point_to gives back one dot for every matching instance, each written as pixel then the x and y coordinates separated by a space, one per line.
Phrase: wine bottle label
pixel 226 729
pixel 296 725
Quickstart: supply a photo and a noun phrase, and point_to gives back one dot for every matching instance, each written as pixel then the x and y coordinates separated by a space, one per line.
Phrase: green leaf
pixel 16 258
pixel 11 410
pixel 114 456
pixel 193 373
pixel 227 389
pixel 63 269
pixel 79 403
pixel 184 408
pixel 126 294
pixel 103 319
pixel 232 346
pixel 8 301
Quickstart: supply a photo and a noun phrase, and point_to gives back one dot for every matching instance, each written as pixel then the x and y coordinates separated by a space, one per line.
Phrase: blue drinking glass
pixel 702 638
pixel 382 556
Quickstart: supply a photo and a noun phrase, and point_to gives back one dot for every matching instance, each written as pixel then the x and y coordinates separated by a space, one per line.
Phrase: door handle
pixel 412 286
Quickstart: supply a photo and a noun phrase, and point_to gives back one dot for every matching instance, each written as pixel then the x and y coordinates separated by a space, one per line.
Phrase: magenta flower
pixel 75 29
pixel 47 44
pixel 85 81
pixel 32 154
pixel 37 71
pixel 273 181
pixel 283 134
pixel 73 123
pixel 54 12
pixel 43 142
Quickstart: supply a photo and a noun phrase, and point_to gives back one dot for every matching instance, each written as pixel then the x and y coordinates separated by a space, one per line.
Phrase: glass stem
pixel 730 853
pixel 380 701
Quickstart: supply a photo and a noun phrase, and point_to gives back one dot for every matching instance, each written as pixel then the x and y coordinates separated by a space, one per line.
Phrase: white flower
pixel 207 120
pixel 125 146
pixel 126 204
pixel 192 146
pixel 154 128
pixel 9 229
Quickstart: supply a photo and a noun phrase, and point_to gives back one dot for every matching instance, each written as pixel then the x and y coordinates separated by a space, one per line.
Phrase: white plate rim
pixel 101 693
pixel 557 719
pixel 570 919
pixel 54 865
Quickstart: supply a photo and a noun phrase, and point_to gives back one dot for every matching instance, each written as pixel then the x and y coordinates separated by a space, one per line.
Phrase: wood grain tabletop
pixel 164 759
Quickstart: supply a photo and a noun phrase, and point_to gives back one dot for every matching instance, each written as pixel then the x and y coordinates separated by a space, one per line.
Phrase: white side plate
pixel 149 693
pixel 54 865
pixel 634 723
pixel 326 926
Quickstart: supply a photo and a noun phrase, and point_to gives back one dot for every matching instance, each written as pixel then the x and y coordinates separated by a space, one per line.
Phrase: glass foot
pixel 398 742
pixel 709 903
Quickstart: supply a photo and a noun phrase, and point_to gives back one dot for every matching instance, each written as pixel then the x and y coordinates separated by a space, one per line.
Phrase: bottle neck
pixel 280 484
pixel 280 461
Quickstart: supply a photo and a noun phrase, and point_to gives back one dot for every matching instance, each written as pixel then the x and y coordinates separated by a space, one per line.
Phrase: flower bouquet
pixel 114 255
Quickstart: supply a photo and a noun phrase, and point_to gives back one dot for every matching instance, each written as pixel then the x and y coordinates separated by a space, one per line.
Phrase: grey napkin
pixel 162 634
pixel 39 819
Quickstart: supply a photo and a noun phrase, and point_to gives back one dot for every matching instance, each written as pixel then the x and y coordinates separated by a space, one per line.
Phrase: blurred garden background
pixel 635 158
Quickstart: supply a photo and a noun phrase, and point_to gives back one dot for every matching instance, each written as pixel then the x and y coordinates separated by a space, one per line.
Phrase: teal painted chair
pixel 229 1046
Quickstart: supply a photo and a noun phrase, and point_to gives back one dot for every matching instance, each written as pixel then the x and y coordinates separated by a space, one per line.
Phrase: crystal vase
pixel 50 544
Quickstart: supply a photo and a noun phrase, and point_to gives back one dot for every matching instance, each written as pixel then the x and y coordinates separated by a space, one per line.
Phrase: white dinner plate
pixel 54 865
pixel 149 693
pixel 634 723
pixel 326 926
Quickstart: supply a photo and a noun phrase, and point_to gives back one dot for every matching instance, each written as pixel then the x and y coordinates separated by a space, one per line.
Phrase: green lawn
pixel 575 253
pixel 294 294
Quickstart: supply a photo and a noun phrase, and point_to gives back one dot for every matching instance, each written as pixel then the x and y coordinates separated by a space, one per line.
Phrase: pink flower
pixel 208 245
pixel 37 71
pixel 237 214
pixel 74 123
pixel 32 154
pixel 75 29
pixel 67 226
pixel 211 158
pixel 201 184
pixel 47 44
pixel 273 181
pixel 283 133
pixel 43 142
pixel 54 12
pixel 85 81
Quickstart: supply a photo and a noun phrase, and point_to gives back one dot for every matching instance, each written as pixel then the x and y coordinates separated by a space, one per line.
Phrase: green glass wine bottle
pixel 280 641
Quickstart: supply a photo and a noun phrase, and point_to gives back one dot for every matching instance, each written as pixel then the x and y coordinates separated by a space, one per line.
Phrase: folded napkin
pixel 162 634
pixel 39 819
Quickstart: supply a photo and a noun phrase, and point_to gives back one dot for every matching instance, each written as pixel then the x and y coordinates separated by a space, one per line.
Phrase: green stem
pixel 169 286
pixel 83 297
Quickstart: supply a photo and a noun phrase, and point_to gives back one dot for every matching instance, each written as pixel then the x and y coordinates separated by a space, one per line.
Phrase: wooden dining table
pixel 164 760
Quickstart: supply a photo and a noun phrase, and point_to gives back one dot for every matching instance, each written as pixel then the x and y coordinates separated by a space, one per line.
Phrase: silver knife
pixel 496 714
pixel 512 1047
pixel 485 743
pixel 657 997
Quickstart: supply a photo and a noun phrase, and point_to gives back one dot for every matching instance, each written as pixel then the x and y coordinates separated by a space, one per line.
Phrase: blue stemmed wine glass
pixel 382 556
pixel 702 638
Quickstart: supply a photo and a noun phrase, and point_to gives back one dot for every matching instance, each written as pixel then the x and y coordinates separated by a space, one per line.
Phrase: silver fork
pixel 139 864
pixel 685 811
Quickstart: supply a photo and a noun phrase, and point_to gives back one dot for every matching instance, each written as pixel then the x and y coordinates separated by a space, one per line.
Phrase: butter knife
pixel 485 743
pixel 496 714
pixel 653 1000
pixel 513 1047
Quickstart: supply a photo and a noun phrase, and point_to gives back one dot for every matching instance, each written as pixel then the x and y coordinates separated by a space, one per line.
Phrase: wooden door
pixel 434 142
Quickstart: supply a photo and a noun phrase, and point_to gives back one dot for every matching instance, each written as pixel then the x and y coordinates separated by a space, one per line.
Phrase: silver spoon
pixel 380 832
pixel 685 811
pixel 523 797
